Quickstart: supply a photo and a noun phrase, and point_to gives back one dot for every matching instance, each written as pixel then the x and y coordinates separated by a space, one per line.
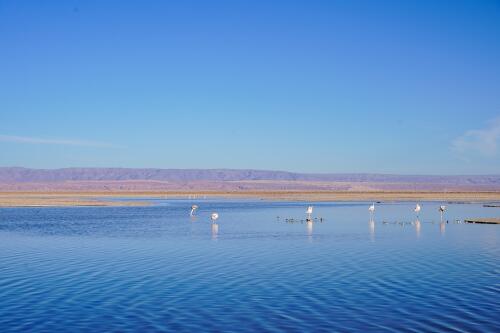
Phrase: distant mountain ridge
pixel 26 175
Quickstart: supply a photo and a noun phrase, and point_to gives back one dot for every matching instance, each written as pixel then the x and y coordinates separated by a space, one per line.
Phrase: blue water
pixel 156 269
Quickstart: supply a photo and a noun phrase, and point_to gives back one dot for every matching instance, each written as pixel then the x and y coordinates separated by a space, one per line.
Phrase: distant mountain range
pixel 16 178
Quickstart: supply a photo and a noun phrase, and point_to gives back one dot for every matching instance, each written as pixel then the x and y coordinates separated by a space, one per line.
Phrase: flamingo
pixel 193 208
pixel 214 217
pixel 309 212
pixel 417 209
pixel 372 210
pixel 442 209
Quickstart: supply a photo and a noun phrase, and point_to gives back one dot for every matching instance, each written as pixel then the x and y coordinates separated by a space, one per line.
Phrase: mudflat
pixel 483 220
pixel 55 199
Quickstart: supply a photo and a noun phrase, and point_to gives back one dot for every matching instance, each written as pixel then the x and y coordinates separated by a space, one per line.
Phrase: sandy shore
pixel 62 200
pixel 41 199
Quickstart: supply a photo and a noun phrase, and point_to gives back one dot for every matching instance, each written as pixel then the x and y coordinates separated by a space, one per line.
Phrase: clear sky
pixel 408 87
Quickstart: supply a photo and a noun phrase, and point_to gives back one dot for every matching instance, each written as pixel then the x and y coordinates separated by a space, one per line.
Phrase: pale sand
pixel 40 199
pixel 67 200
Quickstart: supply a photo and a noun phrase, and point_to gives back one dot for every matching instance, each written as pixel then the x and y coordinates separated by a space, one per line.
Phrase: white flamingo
pixel 442 209
pixel 417 209
pixel 193 209
pixel 309 212
pixel 214 217
pixel 372 210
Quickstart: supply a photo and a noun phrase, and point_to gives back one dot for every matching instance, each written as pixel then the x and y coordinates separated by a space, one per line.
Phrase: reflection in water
pixel 372 229
pixel 215 230
pixel 442 228
pixel 417 227
pixel 123 269
pixel 309 225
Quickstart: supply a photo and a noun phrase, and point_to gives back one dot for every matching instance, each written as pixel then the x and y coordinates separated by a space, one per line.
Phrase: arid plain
pixel 47 199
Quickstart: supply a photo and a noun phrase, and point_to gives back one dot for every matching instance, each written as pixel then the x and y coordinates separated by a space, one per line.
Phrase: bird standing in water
pixel 372 211
pixel 442 209
pixel 309 212
pixel 214 217
pixel 193 209
pixel 417 209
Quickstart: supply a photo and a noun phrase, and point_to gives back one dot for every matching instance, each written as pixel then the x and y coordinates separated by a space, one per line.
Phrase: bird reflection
pixel 418 226
pixel 442 228
pixel 309 225
pixel 371 224
pixel 215 230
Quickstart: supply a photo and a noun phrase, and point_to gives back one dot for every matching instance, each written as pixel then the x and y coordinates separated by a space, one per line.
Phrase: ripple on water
pixel 154 269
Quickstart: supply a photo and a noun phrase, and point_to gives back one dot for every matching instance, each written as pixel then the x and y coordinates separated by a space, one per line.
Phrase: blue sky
pixel 408 87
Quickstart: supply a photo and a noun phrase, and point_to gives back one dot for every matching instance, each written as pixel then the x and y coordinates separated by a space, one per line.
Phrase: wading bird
pixel 442 209
pixel 193 209
pixel 417 209
pixel 309 212
pixel 372 210
pixel 214 217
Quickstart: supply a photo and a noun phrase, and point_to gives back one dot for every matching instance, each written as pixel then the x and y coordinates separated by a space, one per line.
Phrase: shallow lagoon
pixel 156 269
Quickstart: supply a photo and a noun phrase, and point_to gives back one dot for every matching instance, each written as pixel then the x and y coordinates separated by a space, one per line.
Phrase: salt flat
pixel 23 199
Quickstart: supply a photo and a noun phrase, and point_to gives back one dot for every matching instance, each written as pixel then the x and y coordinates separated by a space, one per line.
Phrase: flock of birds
pixel 417 210
pixel 214 216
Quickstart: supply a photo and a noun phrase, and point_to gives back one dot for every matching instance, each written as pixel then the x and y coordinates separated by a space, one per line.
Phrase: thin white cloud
pixel 483 141
pixel 40 141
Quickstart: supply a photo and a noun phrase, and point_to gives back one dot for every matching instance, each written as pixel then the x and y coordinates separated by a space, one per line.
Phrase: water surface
pixel 156 269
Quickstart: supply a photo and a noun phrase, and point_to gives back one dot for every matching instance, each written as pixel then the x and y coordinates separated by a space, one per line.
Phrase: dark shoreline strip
pixel 483 220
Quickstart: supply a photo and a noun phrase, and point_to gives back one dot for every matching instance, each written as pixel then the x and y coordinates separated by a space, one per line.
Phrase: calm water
pixel 156 269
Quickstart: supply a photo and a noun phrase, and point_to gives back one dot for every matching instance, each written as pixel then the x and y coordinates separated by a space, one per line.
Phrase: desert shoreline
pixel 112 199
